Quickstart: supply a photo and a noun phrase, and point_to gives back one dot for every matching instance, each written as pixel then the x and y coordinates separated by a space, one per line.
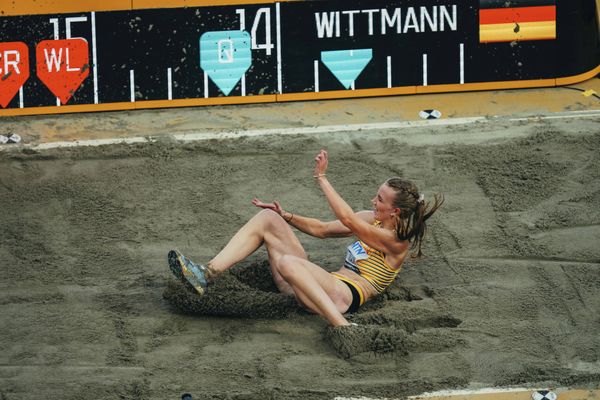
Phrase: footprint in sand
pixel 241 292
pixel 400 327
pixel 400 321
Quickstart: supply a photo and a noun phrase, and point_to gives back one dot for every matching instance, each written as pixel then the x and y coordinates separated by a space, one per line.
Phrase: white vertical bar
pixel 389 71
pixel 242 14
pixel 54 21
pixel 94 58
pixel 21 97
pixel 132 85
pixel 278 28
pixel 205 86
pixel 352 85
pixel 462 63
pixel 169 84
pixel 424 69
pixel 316 68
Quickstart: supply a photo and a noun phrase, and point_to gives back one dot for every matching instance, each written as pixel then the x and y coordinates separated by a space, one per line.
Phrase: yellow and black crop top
pixel 370 264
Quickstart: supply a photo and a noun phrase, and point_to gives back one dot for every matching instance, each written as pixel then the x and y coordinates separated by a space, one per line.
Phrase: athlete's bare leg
pixel 316 288
pixel 293 274
pixel 265 227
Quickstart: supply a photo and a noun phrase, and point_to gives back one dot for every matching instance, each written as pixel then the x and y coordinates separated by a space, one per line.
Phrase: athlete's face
pixel 383 203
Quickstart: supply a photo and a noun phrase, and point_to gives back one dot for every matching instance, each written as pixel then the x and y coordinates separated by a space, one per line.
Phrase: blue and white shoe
pixel 187 271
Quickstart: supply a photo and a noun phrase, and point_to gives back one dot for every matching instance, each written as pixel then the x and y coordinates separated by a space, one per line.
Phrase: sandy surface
pixel 508 294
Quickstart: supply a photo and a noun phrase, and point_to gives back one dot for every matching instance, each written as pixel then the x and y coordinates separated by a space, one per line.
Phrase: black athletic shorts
pixel 355 299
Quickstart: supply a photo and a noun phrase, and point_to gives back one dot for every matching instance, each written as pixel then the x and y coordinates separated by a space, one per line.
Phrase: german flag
pixel 516 20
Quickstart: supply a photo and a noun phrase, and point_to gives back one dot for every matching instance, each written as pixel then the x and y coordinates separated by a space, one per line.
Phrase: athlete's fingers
pixel 275 206
pixel 321 162
pixel 260 204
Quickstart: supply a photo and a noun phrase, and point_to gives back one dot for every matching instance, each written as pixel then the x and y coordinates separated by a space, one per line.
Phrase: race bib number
pixel 356 251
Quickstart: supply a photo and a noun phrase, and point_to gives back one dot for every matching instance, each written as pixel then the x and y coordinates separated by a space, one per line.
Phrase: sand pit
pixel 508 294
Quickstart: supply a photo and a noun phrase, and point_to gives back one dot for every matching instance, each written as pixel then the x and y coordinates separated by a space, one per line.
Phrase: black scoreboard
pixel 288 50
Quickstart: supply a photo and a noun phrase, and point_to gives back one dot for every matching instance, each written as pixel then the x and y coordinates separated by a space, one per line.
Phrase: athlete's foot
pixel 187 271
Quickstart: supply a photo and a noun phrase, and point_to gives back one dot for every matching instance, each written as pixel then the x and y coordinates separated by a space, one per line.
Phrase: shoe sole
pixel 174 265
pixel 178 268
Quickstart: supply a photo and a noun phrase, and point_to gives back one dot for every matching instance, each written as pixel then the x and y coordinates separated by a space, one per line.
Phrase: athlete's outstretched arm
pixel 362 229
pixel 310 226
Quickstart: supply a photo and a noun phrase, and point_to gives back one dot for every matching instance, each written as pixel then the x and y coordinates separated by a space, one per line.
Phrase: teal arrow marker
pixel 225 56
pixel 346 65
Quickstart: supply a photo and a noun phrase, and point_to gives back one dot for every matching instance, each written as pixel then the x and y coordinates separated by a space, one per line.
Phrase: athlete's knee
pixel 269 216
pixel 267 213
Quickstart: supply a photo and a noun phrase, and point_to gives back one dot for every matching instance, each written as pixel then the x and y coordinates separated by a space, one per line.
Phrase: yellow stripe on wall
pixel 543 30
pixel 33 7
pixel 140 4
pixel 508 394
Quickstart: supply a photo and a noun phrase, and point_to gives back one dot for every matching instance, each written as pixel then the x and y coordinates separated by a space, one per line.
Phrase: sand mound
pixel 230 296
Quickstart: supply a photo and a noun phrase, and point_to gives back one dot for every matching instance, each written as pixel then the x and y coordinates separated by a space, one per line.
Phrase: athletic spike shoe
pixel 187 271
pixel 174 265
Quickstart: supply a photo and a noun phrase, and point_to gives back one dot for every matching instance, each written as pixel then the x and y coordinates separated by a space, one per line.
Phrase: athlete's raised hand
pixel 322 162
pixel 275 206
